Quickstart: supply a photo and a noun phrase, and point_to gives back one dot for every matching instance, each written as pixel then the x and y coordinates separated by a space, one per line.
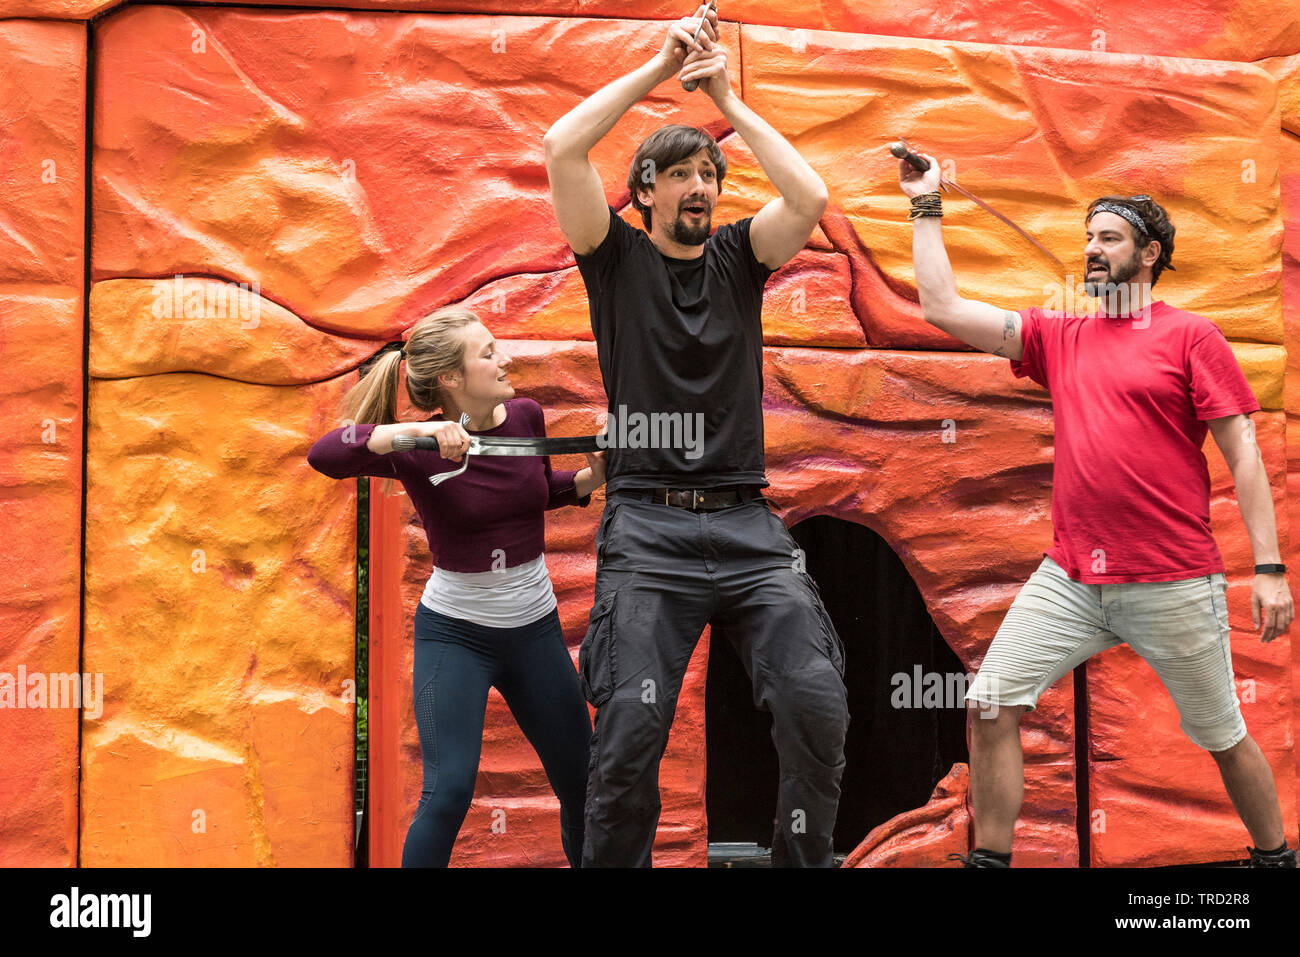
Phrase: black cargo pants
pixel 662 573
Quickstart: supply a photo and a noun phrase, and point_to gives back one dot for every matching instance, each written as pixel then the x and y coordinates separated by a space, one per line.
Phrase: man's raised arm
pixel 576 193
pixel 782 227
pixel 978 324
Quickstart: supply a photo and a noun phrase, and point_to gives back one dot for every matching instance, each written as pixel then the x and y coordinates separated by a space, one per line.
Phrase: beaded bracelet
pixel 926 204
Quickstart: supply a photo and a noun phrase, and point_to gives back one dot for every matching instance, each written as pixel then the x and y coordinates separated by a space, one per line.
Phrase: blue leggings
pixel 456 662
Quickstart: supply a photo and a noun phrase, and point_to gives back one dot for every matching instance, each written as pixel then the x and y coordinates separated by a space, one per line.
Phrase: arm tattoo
pixel 1010 328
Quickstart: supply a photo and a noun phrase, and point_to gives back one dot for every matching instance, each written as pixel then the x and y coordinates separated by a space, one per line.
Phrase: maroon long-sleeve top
pixel 492 510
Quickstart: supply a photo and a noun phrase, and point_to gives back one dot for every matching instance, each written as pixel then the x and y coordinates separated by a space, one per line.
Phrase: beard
pixel 1114 278
pixel 689 235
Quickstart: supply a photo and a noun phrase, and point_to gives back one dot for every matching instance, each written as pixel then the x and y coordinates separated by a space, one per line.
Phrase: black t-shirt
pixel 680 345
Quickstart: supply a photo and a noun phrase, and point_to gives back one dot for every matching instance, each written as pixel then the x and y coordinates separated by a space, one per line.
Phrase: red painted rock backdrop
pixel 43 89
pixel 274 193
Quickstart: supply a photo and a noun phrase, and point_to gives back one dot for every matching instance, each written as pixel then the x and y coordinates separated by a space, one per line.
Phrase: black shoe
pixel 1282 858
pixel 982 858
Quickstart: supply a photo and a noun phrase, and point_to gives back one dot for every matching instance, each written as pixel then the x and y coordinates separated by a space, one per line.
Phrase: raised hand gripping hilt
pixel 690 85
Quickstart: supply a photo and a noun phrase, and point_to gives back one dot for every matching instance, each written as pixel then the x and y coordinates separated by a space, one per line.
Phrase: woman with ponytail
pixel 488 616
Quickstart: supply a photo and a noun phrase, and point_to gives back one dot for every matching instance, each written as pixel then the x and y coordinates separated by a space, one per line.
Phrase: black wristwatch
pixel 1270 569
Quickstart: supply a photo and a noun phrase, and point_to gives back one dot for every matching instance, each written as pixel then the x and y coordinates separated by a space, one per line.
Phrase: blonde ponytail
pixel 435 347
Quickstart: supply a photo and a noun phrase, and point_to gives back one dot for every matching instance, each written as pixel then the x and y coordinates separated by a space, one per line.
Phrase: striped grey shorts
pixel 1179 628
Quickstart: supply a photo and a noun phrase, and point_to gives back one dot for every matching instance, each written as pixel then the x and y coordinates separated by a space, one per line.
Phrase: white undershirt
pixel 506 598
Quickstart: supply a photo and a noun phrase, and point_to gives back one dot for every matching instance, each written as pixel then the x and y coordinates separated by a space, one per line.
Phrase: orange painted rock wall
pixel 219 589
pixel 1205 29
pixel 1290 174
pixel 274 193
pixel 42 203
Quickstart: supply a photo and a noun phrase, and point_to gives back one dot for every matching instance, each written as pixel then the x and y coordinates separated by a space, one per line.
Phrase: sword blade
pixel 524 445
pixel 989 209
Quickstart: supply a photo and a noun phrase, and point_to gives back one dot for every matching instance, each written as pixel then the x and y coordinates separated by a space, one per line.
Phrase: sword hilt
pixel 405 443
pixel 904 152
pixel 690 85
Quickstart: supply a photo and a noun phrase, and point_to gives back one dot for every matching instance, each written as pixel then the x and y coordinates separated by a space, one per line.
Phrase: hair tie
pixel 401 347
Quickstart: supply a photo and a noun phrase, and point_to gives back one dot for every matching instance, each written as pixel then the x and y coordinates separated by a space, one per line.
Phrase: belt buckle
pixel 696 498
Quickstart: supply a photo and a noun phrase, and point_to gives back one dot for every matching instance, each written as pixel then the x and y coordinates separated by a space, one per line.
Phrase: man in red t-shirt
pixel 1135 389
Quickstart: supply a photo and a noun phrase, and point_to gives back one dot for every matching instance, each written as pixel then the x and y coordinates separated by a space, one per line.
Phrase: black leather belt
pixel 706 499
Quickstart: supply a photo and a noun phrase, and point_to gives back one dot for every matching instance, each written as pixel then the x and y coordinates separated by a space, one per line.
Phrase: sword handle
pixel 405 443
pixel 690 85
pixel 901 150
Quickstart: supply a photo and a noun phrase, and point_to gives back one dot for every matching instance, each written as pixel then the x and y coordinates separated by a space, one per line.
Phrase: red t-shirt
pixel 1131 496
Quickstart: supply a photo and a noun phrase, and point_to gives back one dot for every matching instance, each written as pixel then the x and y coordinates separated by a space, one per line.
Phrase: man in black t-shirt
pixel 687 538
